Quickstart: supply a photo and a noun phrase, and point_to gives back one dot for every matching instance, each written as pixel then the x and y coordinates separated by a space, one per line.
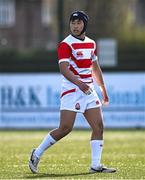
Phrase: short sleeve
pixel 64 51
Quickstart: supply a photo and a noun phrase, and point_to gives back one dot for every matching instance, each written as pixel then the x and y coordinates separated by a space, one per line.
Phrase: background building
pixel 31 29
pixel 27 24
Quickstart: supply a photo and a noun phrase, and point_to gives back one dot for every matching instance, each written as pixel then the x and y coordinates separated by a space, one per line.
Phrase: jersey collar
pixel 78 38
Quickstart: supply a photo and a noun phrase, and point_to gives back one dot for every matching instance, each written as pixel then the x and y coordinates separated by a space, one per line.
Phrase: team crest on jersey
pixel 77 106
pixel 80 54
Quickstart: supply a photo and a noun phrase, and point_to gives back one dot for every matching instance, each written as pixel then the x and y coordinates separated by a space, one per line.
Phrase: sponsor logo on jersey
pixel 80 54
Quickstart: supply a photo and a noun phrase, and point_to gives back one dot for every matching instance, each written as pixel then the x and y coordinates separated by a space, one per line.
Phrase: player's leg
pixel 95 120
pixel 67 119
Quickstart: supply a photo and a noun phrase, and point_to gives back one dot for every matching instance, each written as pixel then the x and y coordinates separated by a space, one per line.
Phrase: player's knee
pixel 66 129
pixel 101 126
pixel 98 129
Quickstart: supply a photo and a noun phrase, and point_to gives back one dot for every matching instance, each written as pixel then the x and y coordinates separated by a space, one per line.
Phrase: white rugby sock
pixel 96 147
pixel 46 143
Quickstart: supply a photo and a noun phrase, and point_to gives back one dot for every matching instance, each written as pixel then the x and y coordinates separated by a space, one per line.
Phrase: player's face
pixel 76 27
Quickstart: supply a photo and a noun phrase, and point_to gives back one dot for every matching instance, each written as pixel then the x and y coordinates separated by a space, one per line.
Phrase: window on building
pixel 140 12
pixel 46 13
pixel 7 13
pixel 49 21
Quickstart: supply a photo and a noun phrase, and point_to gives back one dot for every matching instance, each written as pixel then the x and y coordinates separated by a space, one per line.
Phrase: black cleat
pixel 102 169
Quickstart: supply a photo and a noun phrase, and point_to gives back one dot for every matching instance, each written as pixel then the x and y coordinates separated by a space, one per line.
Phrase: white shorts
pixel 75 100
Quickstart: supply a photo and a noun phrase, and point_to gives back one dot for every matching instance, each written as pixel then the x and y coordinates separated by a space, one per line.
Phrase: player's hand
pixel 105 100
pixel 85 88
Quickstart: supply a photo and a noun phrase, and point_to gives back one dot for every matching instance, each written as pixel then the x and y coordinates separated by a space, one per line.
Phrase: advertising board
pixel 33 101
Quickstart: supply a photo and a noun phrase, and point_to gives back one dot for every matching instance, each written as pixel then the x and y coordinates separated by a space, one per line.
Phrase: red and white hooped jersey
pixel 80 54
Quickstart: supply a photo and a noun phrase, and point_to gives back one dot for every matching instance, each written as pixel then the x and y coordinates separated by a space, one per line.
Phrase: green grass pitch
pixel 70 157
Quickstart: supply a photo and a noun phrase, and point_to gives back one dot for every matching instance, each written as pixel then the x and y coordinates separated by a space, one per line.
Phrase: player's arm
pixel 64 53
pixel 97 74
pixel 64 70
